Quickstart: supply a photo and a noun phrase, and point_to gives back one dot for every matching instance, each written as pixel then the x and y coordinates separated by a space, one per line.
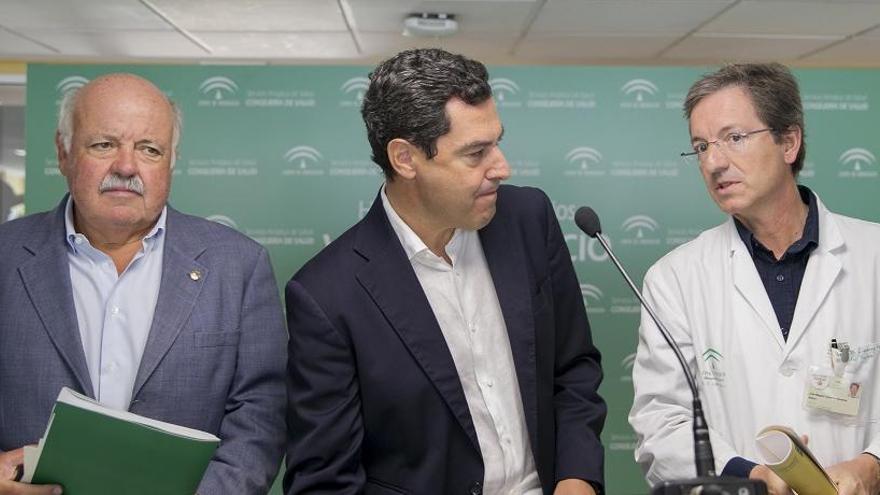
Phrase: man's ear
pixel 402 154
pixel 791 142
pixel 62 154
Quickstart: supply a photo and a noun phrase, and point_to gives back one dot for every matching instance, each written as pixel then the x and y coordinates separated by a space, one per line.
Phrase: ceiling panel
pixel 796 18
pixel 490 48
pixel 625 16
pixel 262 15
pixel 474 17
pixel 862 50
pixel 130 43
pixel 592 47
pixel 78 15
pixel 744 48
pixel 12 45
pixel 281 45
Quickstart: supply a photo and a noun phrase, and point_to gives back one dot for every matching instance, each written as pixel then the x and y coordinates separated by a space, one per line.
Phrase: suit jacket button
pixel 476 488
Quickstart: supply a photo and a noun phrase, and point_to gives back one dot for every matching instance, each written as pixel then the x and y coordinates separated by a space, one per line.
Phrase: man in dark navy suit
pixel 441 344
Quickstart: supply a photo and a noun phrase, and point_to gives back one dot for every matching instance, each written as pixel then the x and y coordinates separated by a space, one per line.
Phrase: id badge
pixel 831 391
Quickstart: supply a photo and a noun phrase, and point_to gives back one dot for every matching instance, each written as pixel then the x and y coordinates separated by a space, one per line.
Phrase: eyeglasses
pixel 731 143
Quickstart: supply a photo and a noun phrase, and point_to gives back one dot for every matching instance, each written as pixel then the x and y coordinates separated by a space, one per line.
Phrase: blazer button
pixel 476 488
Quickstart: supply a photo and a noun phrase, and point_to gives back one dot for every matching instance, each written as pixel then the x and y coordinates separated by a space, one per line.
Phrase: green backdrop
pixel 280 154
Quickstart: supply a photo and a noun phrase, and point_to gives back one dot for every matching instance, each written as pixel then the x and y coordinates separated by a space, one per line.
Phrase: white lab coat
pixel 711 298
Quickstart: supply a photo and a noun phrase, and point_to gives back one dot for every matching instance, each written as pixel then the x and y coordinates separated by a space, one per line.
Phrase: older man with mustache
pixel 122 298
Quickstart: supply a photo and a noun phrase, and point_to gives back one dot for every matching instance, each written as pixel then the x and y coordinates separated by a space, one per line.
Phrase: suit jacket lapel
pixel 46 278
pixel 178 293
pixel 748 284
pixel 823 268
pixel 392 284
pixel 508 266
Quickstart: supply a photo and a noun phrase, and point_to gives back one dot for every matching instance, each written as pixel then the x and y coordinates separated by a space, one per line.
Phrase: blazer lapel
pixel 508 266
pixel 392 284
pixel 46 278
pixel 178 293
pixel 823 268
pixel 748 284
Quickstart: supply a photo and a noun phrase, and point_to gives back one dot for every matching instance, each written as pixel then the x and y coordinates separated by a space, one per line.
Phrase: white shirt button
pixel 78 240
pixel 114 310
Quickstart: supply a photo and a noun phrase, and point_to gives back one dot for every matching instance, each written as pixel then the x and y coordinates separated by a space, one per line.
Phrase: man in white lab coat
pixel 776 309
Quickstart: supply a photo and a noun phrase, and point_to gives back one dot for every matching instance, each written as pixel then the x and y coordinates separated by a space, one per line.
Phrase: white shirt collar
pixel 70 233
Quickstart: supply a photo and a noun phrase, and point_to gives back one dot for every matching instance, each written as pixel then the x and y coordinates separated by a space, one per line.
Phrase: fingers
pixel 9 461
pixel 13 488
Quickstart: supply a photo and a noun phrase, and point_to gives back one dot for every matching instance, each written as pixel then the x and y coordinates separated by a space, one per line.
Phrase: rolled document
pixel 783 451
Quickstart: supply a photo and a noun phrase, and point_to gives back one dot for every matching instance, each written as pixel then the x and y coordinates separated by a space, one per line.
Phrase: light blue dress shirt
pixel 114 311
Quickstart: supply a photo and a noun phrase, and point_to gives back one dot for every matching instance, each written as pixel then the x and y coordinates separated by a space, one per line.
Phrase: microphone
pixel 707 482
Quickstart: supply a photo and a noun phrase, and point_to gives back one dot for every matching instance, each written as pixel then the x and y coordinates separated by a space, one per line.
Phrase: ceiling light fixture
pixel 430 25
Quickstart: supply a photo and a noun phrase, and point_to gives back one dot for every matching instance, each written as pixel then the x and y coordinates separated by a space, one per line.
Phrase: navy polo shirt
pixel 782 280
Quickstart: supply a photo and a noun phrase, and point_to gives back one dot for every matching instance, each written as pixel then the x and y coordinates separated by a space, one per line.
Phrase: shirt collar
pixel 809 238
pixel 411 242
pixel 70 233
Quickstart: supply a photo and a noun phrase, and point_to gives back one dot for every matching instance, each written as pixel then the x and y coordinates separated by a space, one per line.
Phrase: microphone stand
pixel 706 482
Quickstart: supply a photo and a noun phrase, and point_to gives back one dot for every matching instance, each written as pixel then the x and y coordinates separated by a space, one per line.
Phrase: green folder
pixel 91 449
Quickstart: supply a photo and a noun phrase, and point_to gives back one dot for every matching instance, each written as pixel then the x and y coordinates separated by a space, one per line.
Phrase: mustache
pixel 116 181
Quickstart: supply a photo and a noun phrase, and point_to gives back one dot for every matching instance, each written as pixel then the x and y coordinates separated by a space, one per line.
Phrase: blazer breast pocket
pixel 217 339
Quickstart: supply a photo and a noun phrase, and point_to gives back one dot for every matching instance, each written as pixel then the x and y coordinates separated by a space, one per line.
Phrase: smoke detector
pixel 429 25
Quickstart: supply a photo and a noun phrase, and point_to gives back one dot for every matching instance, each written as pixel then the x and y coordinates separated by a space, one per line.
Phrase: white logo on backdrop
pixel 626 365
pixel 640 223
pixel 640 87
pixel 589 291
pixel 857 158
pixel 503 87
pixel 357 85
pixel 215 87
pixel 223 220
pixel 584 156
pixel 302 156
pixel 71 83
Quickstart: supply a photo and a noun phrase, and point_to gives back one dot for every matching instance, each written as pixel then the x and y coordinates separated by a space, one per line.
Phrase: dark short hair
pixel 774 92
pixel 408 94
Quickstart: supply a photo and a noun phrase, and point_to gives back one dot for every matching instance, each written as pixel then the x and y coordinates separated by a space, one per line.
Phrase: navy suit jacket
pixel 375 402
pixel 214 358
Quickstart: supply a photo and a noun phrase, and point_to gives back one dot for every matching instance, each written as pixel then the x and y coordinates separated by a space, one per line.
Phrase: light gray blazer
pixel 214 360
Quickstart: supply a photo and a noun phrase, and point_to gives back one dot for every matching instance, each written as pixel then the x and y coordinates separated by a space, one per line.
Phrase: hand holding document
pixel 783 451
pixel 91 449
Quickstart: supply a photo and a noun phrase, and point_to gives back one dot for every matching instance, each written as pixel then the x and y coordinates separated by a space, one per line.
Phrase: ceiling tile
pixel 252 16
pixel 862 50
pixel 14 46
pixel 625 16
pixel 719 49
pixel 79 15
pixel 474 17
pixel 802 18
pixel 592 47
pixel 281 45
pixel 487 49
pixel 128 43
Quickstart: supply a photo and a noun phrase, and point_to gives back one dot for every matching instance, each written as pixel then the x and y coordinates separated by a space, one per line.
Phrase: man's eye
pixel 152 151
pixel 477 154
pixel 701 147
pixel 735 137
pixel 103 145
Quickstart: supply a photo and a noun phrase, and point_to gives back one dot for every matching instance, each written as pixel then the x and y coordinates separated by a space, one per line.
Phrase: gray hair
pixel 68 108
pixel 774 93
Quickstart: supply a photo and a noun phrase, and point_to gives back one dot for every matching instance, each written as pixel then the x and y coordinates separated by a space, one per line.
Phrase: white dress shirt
pixel 464 301
pixel 114 311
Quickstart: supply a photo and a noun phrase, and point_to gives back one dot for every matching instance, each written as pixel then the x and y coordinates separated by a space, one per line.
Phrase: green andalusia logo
pixel 713 371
